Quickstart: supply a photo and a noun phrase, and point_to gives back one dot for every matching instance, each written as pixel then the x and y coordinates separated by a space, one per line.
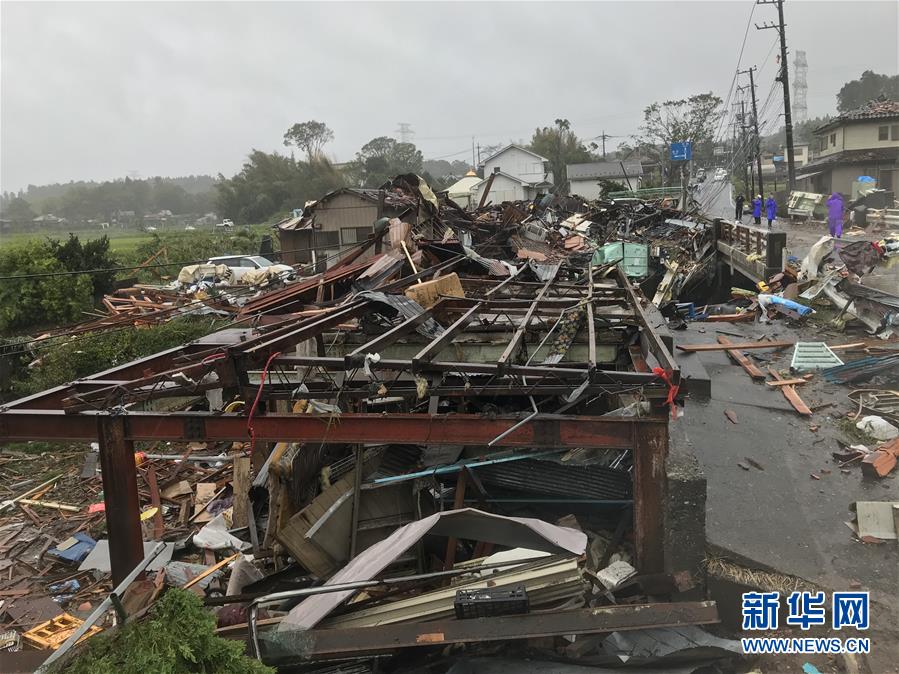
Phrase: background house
pixel 337 220
pixel 862 142
pixel 519 174
pixel 584 179
pixel 460 191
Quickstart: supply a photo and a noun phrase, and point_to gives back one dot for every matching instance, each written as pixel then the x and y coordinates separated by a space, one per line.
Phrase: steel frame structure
pixel 101 407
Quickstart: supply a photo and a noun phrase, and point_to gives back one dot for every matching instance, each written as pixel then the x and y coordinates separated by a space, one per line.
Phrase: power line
pixel 161 264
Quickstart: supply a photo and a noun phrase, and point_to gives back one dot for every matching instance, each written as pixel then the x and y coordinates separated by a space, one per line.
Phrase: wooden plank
pixel 158 522
pixel 787 382
pixel 212 569
pixel 741 359
pixel 731 318
pixel 791 395
pixel 741 346
pixel 458 502
pixel 241 489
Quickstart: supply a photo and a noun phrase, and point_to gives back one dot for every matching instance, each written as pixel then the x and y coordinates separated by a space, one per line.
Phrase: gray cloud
pixel 95 90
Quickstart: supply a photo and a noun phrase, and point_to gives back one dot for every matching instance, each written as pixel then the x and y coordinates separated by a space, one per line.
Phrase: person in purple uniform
pixel 770 211
pixel 835 215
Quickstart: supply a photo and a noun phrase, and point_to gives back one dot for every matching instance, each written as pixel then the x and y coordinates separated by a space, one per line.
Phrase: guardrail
pixel 757 252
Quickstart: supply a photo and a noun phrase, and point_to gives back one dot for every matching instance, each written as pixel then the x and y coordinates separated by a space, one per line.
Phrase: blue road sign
pixel 682 151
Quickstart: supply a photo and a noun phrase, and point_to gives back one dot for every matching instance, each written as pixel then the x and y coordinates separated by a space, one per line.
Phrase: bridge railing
pixel 649 194
pixel 754 249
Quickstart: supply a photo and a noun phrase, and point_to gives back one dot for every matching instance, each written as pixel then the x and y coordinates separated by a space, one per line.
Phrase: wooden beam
pixel 740 358
pixel 741 345
pixel 787 382
pixel 212 569
pixel 790 394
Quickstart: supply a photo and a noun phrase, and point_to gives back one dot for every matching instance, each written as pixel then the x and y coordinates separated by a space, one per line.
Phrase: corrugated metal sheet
pixel 556 479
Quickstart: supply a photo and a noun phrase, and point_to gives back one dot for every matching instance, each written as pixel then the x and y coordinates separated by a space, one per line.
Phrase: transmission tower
pixel 405 132
pixel 800 87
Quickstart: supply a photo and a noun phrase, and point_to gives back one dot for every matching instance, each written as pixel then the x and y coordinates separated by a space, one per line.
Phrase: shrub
pixel 87 354
pixel 178 638
pixel 39 300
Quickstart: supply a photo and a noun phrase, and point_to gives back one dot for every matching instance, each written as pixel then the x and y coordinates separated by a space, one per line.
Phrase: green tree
pixel 866 88
pixel 382 158
pixel 803 132
pixel 92 254
pixel 693 119
pixel 561 147
pixel 18 210
pixel 37 300
pixel 311 137
pixel 269 184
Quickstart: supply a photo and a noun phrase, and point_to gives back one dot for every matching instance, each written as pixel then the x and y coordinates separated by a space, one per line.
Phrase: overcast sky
pixel 98 90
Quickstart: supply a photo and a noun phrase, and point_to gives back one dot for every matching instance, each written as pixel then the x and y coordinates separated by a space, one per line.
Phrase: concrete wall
pixel 517 163
pixel 859 136
pixel 833 142
pixel 589 187
pixel 865 136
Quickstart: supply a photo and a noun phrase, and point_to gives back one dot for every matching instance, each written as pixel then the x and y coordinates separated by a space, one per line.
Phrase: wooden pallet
pixel 53 633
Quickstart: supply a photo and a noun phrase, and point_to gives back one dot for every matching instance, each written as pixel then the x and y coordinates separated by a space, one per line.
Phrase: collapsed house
pixel 477 399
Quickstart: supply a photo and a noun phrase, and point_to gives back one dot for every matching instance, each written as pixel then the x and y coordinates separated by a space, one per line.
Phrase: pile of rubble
pixel 456 434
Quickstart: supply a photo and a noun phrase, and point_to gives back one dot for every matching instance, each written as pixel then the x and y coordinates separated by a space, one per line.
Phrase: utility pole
pixel 745 159
pixel 604 144
pixel 473 165
pixel 785 81
pixel 755 124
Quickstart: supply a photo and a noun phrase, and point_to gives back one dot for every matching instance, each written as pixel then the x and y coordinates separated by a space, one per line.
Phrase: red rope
pixel 672 389
pixel 250 431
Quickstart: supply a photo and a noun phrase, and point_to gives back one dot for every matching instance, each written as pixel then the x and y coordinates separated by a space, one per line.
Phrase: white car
pixel 241 264
pixel 225 223
pixel 720 174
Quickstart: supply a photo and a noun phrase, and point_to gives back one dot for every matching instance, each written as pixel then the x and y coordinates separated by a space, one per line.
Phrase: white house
pixel 518 174
pixel 584 179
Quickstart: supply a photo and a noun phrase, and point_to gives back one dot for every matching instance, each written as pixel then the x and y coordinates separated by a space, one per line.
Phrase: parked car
pixel 241 264
pixel 720 174
pixel 190 228
pixel 700 175
pixel 225 223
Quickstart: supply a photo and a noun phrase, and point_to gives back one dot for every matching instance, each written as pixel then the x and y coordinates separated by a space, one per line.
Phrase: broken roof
pixel 603 169
pixel 877 109
pixel 849 157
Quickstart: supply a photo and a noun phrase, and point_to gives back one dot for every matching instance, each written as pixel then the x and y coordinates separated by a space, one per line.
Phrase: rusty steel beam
pixel 546 430
pixel 126 545
pixel 357 356
pixel 655 344
pixel 436 345
pixel 341 642
pixel 650 491
pixel 517 338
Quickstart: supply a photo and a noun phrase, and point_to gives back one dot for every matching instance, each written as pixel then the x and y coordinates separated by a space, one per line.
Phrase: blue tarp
pixel 77 552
